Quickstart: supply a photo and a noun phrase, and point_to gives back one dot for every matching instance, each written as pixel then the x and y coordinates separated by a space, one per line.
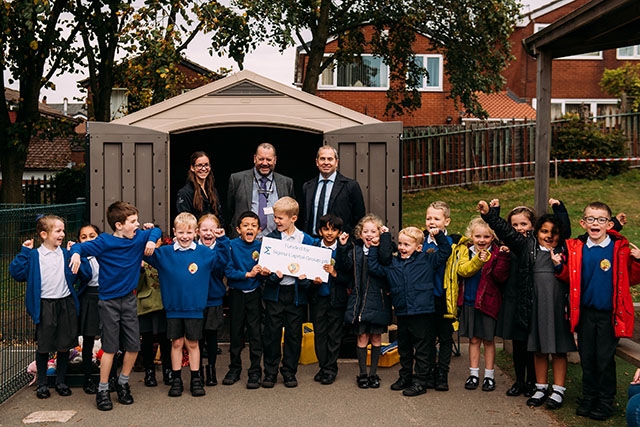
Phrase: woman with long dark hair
pixel 199 195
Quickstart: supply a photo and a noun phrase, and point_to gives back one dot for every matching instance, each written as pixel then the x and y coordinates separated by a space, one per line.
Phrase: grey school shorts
pixel 120 329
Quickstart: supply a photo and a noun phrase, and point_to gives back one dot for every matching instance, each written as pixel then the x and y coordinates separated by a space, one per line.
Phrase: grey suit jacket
pixel 241 191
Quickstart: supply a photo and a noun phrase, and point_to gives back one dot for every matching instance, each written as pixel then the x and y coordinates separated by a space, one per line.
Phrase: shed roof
pixel 598 25
pixel 245 99
pixel 505 105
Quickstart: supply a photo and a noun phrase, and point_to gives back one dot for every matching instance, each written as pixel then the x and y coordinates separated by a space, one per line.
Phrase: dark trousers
pixel 443 336
pixel 148 355
pixel 245 320
pixel 597 347
pixel 415 333
pixel 328 322
pixel 279 314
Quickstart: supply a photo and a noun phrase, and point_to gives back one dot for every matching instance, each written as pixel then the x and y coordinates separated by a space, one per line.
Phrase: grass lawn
pixel 619 192
pixel 567 414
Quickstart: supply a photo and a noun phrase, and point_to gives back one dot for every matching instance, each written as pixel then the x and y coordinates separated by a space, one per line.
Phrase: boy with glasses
pixel 600 266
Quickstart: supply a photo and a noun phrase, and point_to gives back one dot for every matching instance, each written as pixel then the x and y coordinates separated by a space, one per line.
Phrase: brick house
pixel 575 79
pixel 195 76
pixel 46 157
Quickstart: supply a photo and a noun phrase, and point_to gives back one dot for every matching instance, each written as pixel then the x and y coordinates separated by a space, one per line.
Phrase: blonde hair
pixel 479 222
pixel 286 205
pixel 413 233
pixel 44 223
pixel 209 216
pixel 442 206
pixel 357 230
pixel 185 218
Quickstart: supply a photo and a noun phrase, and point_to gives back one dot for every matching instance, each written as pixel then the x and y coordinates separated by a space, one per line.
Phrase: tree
pixel 472 35
pixel 101 26
pixel 623 82
pixel 36 44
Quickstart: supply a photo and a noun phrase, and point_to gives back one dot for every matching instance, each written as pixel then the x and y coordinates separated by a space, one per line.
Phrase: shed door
pixel 370 154
pixel 127 163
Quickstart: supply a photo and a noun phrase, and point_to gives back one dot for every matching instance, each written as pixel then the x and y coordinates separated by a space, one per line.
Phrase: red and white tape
pixel 477 168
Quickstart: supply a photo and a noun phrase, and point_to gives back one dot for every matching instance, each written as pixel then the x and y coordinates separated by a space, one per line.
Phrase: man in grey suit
pixel 257 189
pixel 331 192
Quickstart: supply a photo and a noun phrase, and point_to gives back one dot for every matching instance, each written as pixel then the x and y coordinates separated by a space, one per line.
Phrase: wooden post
pixel 543 131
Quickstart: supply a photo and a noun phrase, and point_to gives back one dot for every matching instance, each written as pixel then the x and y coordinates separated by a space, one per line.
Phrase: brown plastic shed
pixel 143 157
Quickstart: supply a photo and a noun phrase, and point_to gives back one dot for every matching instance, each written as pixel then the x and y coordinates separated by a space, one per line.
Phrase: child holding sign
pixel 285 299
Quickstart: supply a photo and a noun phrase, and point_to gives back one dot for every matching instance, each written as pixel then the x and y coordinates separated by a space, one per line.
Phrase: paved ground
pixel 310 404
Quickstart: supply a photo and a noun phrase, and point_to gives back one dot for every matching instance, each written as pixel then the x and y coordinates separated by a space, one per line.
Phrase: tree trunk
pixel 320 35
pixel 12 168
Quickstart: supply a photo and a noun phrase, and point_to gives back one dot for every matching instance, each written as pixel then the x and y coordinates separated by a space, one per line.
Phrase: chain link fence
pixel 17 331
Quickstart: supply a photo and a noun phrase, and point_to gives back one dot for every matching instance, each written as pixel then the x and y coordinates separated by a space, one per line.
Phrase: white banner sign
pixel 295 259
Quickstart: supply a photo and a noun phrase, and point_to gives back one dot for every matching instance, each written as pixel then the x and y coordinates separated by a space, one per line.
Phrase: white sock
pixel 474 372
pixel 556 397
pixel 488 373
pixel 541 390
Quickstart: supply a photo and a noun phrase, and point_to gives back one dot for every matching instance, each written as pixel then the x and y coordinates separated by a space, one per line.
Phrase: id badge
pixel 268 210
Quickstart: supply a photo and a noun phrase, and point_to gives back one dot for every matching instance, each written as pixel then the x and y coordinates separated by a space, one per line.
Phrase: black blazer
pixel 345 201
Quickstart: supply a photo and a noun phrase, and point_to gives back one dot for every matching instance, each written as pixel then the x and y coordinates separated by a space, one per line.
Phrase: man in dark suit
pixel 257 189
pixel 332 193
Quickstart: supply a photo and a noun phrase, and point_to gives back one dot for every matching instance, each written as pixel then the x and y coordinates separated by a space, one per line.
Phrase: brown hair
pixel 208 186
pixel 119 212
pixel 598 205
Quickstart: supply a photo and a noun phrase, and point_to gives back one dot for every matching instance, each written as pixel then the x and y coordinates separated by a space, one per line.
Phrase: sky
pixel 265 60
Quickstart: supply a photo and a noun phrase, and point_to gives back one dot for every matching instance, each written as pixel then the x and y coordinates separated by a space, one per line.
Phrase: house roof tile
pixel 501 105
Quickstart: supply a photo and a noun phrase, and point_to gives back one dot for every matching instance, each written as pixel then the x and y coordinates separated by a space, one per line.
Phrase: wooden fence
pixel 486 151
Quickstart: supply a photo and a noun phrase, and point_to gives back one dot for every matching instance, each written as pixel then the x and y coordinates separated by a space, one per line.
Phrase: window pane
pixel 327 76
pixel 433 70
pixel 368 71
pixel 625 51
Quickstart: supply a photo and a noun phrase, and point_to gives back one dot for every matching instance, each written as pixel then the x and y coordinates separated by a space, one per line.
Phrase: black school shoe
pixel 318 377
pixel 553 403
pixel 124 393
pixel 415 390
pixel 290 381
pixel 471 383
pixel 585 406
pixel 529 389
pixel 488 384
pixel 601 412
pixel 150 378
pixel 231 378
pixel 253 382
pixel 362 381
pixel 63 389
pixel 269 381
pixel 442 380
pixel 400 384
pixel 516 389
pixel 374 381
pixel 90 386
pixel 197 388
pixel 538 398
pixel 103 400
pixel 176 388
pixel 43 392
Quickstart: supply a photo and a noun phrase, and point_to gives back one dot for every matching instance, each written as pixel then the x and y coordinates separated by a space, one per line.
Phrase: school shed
pixel 143 157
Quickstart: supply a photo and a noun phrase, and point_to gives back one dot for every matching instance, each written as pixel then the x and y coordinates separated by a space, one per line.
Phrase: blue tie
pixel 263 198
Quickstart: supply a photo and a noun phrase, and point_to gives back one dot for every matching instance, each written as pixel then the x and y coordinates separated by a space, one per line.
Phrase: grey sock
pixel 375 358
pixel 123 379
pixel 361 352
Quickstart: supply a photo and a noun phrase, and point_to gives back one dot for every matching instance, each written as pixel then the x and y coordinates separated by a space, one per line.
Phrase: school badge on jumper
pixel 294 267
pixel 605 265
pixel 193 267
pixel 255 255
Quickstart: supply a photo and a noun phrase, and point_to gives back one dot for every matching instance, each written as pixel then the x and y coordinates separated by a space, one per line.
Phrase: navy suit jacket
pixel 345 201
pixel 241 191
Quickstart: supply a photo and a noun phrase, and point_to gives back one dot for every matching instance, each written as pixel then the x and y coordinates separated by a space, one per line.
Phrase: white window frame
pixel 634 55
pixel 592 102
pixel 592 56
pixel 423 88
pixel 438 88
pixel 334 84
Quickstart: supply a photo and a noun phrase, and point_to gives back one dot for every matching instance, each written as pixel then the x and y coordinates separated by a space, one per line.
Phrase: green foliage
pixel 471 34
pixel 621 82
pixel 579 139
pixel 70 184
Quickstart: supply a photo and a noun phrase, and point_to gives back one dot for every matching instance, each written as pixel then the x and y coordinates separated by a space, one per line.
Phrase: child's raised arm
pixel 483 207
